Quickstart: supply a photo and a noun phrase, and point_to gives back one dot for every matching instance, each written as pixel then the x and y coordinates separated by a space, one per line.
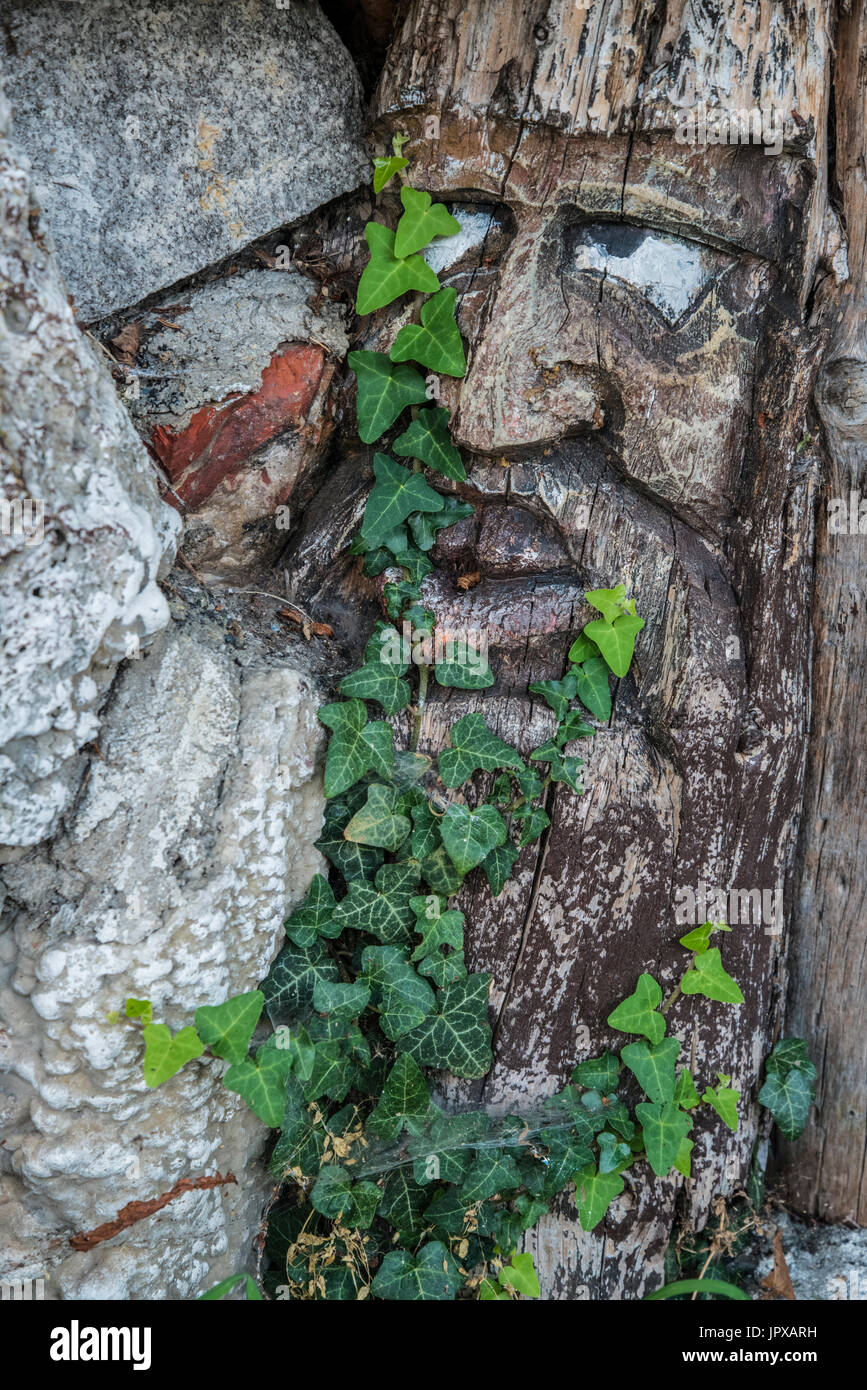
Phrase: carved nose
pixel 524 398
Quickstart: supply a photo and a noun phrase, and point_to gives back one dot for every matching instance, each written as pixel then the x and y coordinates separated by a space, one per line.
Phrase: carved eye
pixel 670 273
pixel 486 229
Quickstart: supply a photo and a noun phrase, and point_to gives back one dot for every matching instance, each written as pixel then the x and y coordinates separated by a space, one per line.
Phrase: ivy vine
pixel 388 1192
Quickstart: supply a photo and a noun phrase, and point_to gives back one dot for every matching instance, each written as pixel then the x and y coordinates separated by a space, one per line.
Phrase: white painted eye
pixel 670 273
pixel 478 222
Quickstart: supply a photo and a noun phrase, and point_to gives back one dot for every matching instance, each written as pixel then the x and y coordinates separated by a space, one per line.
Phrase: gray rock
pixel 824 1262
pixel 166 136
pixel 83 531
pixel 193 834
pixel 228 332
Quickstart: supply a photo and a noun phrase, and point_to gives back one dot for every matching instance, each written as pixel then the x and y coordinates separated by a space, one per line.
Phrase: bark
pixel 608 442
pixel 825 1171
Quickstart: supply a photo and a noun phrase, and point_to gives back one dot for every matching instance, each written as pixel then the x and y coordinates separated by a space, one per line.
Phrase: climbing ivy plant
pixel 388 1193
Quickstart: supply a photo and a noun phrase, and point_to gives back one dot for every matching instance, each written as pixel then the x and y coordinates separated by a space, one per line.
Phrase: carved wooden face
pixel 639 375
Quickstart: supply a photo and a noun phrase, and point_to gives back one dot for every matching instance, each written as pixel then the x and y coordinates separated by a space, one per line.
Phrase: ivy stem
pixel 676 992
pixel 423 673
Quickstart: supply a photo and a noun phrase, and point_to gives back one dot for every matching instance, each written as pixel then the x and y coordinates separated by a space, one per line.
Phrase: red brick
pixel 219 439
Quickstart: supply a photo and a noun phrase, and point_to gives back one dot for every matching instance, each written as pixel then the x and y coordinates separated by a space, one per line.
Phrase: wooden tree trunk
pixel 643 345
pixel 825 1170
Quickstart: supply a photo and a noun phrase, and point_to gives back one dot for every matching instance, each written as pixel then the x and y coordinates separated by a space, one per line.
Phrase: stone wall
pixel 159 792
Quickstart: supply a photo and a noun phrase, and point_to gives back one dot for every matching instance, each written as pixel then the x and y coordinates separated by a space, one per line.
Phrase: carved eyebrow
pixel 670 272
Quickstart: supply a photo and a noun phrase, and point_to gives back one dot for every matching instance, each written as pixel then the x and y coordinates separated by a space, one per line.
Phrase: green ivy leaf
pixel 594 1193
pixel 404 1000
pixel 376 822
pixel 347 1000
pixel 491 1171
pixel 568 771
pixel 425 831
pixel 139 1008
pixel 384 390
pixel 436 341
pixel 582 648
pixel 402 1204
pixel 616 641
pixel 724 1100
pixel 355 747
pixel 474 747
pixel 387 276
pixel 599 1073
pixel 314 917
pixel 556 694
pixel 292 979
pixel 685 1093
pixel 443 968
pixel 427 438
pixel 610 602
pixel 469 836
pixel 474 674
pixel 710 979
pixel 637 1013
pixel 698 940
pixel 336 1195
pixel 653 1067
pixel 591 687
pixel 683 1162
pixel 457 1038
pixel 301 1050
pixel 377 681
pixel 395 494
pixel 445 1152
pixel 520 1275
pixel 534 820
pixel 384 916
pixel 424 528
pixel 613 1155
pixel 497 864
pixel 164 1054
pixel 573 726
pixel 431 1275
pixel 227 1028
pixel 398 598
pixel 789 1088
pixel 333 1070
pixel 404 1102
pixel 437 927
pixel 664 1128
pixel 262 1082
pixel 385 168
pixel 353 861
pixel 439 872
pixel 421 222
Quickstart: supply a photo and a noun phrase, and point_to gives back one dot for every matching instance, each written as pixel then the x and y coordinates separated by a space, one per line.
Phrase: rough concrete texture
pixel 82 530
pixel 165 136
pixel 170 882
pixel 227 333
pixel 824 1262
pixel 241 413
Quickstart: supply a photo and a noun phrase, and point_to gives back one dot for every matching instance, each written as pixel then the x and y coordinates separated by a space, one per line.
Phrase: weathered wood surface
pixel 825 1170
pixel 607 440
